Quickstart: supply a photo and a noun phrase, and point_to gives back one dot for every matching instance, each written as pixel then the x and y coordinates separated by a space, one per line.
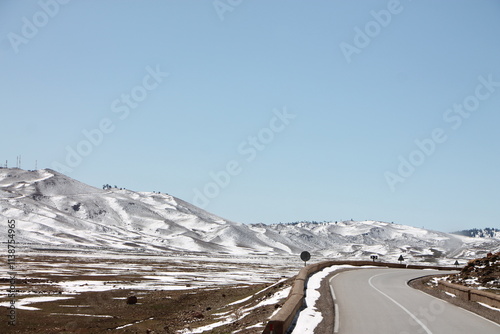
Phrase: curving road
pixel 379 301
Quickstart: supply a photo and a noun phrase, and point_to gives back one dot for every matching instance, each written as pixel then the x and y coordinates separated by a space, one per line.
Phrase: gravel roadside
pixel 424 284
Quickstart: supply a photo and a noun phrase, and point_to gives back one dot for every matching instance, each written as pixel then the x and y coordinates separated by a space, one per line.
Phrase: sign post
pixel 305 256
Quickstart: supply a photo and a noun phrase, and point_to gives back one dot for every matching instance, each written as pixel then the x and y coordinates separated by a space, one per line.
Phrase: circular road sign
pixel 305 256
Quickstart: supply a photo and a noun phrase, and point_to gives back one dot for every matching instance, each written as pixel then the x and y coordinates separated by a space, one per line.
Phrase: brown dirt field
pixel 156 311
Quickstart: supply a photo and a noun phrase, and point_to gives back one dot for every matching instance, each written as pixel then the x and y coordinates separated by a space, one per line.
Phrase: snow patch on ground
pixel 207 327
pixel 84 315
pixel 435 280
pixel 274 299
pixel 310 317
pixel 21 303
pixel 240 301
pixel 227 317
pixel 488 306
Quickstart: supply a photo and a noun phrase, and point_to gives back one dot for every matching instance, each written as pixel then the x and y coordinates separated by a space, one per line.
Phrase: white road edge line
pixel 335 306
pixel 398 304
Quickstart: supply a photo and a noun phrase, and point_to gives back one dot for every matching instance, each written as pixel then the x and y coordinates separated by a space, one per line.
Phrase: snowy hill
pixel 54 211
pixel 354 239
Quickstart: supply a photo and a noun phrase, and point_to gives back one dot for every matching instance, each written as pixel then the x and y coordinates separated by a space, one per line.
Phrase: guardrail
pixel 471 294
pixel 281 321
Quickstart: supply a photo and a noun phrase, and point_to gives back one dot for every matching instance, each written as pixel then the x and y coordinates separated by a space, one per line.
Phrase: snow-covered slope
pixel 53 210
pixel 354 239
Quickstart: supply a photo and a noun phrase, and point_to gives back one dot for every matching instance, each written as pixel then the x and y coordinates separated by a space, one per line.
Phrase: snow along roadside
pixel 310 317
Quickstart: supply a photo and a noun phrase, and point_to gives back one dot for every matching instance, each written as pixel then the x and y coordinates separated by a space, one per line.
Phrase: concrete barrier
pixel 460 291
pixel 281 321
pixel 471 294
pixel 485 297
pixel 298 287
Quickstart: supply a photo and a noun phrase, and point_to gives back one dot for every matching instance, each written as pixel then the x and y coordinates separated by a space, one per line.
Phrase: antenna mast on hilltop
pixel 36 164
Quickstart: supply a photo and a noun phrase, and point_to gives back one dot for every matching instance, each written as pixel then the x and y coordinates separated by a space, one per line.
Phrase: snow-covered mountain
pixel 54 211
pixel 487 232
pixel 389 240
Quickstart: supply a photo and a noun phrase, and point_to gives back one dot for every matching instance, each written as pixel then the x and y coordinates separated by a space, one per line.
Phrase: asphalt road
pixel 379 301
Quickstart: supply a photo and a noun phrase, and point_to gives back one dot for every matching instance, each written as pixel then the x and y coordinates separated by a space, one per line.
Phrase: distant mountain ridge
pixel 488 232
pixel 56 211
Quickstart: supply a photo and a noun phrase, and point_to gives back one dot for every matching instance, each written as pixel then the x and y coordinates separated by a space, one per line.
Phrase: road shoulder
pixel 325 304
pixel 423 284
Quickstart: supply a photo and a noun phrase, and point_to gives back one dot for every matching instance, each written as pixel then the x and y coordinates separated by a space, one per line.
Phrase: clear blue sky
pixel 356 84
